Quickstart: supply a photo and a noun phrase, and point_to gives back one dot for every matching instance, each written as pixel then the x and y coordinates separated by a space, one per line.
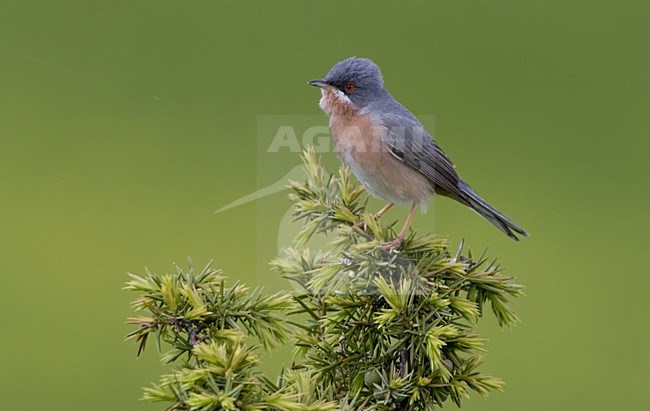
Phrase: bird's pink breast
pixel 358 142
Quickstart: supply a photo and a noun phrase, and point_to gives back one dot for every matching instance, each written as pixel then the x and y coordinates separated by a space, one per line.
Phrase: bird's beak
pixel 320 84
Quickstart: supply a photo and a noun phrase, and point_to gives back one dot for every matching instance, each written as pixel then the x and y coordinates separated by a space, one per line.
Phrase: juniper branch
pixel 387 331
pixel 372 329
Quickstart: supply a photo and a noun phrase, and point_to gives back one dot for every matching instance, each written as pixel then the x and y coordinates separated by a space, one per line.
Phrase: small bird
pixel 389 150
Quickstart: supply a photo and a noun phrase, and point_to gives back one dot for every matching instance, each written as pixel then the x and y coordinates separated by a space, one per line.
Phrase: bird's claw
pixel 391 246
pixel 362 225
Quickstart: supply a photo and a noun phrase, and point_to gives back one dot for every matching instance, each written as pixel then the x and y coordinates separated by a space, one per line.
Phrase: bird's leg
pixel 380 213
pixel 384 210
pixel 391 245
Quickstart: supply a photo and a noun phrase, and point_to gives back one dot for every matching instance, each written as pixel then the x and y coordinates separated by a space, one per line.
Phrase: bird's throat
pixel 336 102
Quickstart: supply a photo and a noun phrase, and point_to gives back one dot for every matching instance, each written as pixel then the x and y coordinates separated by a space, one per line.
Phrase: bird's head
pixel 351 84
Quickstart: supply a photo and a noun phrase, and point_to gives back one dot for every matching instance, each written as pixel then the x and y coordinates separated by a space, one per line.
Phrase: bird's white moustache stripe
pixel 339 97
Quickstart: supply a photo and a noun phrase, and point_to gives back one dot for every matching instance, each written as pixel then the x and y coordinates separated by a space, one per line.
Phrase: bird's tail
pixel 488 212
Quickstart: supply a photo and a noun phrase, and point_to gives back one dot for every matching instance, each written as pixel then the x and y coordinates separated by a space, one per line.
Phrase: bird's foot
pixel 365 230
pixel 391 246
pixel 362 225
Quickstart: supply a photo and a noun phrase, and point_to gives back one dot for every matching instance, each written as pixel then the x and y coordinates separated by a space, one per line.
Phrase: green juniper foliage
pixel 374 329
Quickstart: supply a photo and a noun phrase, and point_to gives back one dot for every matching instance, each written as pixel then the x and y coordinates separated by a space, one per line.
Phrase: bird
pixel 389 150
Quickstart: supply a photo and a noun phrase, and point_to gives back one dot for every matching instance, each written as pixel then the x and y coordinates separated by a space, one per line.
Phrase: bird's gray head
pixel 354 80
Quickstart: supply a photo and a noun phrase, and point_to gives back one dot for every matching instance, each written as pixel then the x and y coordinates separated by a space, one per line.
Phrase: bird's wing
pixel 409 142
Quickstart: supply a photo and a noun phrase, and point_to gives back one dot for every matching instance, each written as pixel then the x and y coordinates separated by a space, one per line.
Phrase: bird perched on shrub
pixel 389 150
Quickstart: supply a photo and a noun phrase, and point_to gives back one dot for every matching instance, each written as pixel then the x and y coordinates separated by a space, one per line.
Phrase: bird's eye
pixel 350 87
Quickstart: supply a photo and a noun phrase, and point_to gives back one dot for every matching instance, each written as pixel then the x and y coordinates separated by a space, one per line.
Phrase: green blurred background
pixel 125 124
